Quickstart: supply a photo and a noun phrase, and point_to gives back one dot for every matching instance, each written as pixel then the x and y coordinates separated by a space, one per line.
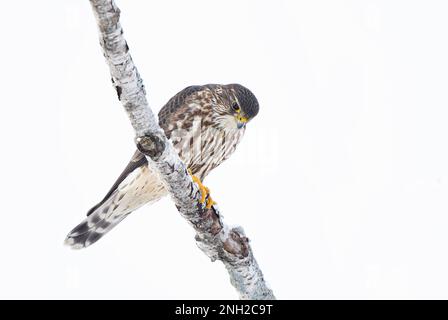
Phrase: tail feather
pixel 137 185
pixel 98 223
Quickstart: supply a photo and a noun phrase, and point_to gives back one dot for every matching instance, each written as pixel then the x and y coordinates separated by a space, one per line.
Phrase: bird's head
pixel 236 106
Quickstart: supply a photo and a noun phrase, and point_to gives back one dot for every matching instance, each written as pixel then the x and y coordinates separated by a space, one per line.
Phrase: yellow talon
pixel 210 203
pixel 205 192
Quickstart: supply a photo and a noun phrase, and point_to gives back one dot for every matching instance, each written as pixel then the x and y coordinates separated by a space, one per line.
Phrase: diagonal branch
pixel 213 237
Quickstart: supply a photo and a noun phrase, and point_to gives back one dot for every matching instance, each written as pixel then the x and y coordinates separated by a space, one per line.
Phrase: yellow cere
pixel 242 119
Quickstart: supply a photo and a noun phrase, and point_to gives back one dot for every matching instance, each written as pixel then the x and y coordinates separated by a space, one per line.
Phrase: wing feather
pixel 138 160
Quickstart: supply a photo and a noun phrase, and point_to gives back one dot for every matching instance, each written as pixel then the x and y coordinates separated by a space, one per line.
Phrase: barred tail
pixel 136 186
pixel 100 221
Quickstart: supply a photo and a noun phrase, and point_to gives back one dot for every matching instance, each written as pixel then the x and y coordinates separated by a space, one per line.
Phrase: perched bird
pixel 205 124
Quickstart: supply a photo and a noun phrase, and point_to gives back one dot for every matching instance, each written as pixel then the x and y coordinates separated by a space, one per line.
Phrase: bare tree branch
pixel 213 237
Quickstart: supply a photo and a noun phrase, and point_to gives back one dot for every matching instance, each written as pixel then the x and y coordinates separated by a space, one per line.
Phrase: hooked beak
pixel 241 121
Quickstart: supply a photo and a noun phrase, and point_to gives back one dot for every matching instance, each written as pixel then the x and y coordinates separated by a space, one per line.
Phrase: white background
pixel 341 181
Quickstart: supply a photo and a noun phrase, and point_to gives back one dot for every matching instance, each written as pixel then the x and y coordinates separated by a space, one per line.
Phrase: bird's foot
pixel 205 192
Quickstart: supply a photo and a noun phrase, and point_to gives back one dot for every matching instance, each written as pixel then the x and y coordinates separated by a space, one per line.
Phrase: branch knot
pixel 151 145
pixel 237 243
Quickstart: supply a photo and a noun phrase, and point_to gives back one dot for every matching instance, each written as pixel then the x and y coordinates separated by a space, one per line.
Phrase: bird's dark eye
pixel 235 106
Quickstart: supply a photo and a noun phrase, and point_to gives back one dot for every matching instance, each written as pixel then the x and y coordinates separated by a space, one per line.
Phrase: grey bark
pixel 213 237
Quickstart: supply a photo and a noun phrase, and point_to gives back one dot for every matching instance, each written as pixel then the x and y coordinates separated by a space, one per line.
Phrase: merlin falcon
pixel 204 124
